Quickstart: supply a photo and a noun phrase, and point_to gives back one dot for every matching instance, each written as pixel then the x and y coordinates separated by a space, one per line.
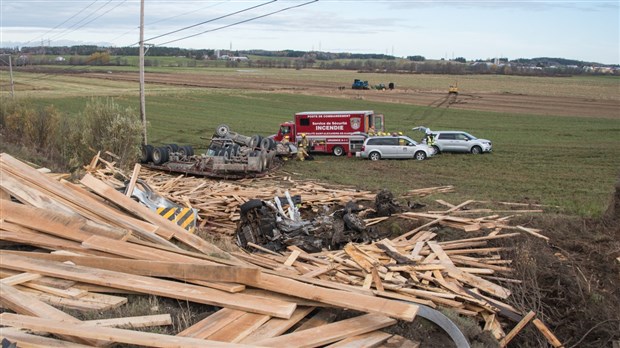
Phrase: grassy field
pixel 564 161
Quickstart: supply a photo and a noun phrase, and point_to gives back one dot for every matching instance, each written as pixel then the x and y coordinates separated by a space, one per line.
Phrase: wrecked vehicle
pixel 230 155
pixel 268 225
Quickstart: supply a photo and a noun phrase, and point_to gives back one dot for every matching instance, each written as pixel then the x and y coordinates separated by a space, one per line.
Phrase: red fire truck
pixel 337 132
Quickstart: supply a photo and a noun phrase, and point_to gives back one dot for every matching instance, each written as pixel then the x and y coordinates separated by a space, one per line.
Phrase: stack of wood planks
pixel 218 201
pixel 91 243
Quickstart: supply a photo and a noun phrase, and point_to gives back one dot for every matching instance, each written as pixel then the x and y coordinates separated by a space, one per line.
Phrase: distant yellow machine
pixel 453 89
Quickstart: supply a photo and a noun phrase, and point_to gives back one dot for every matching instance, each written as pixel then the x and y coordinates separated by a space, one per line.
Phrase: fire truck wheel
pixel 338 151
pixel 222 130
pixel 255 141
pixel 146 154
pixel 160 155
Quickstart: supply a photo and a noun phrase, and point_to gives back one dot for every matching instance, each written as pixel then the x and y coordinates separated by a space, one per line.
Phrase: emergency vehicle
pixel 337 132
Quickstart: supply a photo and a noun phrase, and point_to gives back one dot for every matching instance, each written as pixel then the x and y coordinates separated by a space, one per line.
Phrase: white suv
pixel 376 148
pixel 459 141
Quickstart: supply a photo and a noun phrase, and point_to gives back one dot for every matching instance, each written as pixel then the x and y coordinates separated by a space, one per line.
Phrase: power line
pixel 101 15
pixel 64 32
pixel 240 22
pixel 65 21
pixel 211 20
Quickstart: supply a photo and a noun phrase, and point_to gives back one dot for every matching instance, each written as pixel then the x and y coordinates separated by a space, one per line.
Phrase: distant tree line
pixel 292 59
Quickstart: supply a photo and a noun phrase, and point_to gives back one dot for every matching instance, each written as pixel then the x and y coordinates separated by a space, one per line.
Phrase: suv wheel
pixel 420 155
pixel 437 151
pixel 476 150
pixel 374 156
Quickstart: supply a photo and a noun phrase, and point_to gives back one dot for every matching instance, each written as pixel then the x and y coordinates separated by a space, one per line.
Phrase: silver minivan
pixel 459 141
pixel 376 148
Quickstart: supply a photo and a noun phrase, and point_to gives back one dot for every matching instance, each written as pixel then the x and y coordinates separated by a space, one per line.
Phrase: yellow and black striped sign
pixel 183 217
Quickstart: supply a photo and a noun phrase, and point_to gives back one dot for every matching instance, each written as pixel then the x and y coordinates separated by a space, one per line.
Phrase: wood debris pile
pixel 97 242
pixel 218 201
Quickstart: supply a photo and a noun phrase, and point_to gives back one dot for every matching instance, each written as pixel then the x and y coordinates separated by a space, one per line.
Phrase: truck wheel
pixel 272 144
pixel 172 148
pixel 160 155
pixel 146 154
pixel 255 141
pixel 222 130
pixel 185 151
pixel 251 204
pixel 235 150
pixel 420 155
pixel 338 151
pixel 476 150
pixel 374 156
pixel 267 144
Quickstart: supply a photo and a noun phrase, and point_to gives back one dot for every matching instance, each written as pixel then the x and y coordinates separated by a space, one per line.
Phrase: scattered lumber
pixel 94 243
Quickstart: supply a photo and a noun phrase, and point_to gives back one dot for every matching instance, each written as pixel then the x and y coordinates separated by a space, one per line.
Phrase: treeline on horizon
pixel 110 56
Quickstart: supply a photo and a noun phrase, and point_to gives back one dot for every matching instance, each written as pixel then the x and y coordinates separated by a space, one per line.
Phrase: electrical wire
pixel 169 18
pixel 65 21
pixel 240 22
pixel 94 19
pixel 211 20
pixel 63 33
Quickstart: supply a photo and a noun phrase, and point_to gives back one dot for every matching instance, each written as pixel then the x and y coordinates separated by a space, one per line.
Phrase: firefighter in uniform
pixel 302 152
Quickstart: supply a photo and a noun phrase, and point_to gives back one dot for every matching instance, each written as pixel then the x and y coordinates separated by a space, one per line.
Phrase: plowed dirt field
pixel 483 101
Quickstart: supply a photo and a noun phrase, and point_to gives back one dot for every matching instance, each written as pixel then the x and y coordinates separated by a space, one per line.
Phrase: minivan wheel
pixel 338 151
pixel 374 156
pixel 420 155
pixel 476 150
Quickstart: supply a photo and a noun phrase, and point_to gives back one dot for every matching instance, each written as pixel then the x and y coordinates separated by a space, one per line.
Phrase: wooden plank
pixel 134 322
pixel 515 330
pixel 20 278
pixel 27 340
pixel 202 270
pixel 48 281
pixel 60 224
pixel 292 258
pixel 358 257
pixel 211 324
pixel 132 181
pixel 330 333
pixel 533 233
pixel 367 340
pixel 21 303
pixel 357 301
pixel 240 328
pixel 551 338
pixel 276 326
pixel 152 286
pixel 109 334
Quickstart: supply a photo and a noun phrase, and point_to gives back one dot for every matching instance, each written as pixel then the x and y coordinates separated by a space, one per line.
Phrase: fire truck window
pixel 284 130
pixel 304 122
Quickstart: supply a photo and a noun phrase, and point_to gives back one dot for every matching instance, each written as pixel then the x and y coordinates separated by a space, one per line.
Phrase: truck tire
pixel 249 205
pixel 338 151
pixel 267 144
pixel 222 130
pixel 146 153
pixel 186 151
pixel 255 141
pixel 160 155
pixel 234 150
pixel 172 148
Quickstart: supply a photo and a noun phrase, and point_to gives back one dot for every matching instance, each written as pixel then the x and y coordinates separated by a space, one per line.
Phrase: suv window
pixel 448 136
pixel 461 136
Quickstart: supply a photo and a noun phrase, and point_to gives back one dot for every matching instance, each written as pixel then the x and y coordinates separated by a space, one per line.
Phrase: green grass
pixel 566 161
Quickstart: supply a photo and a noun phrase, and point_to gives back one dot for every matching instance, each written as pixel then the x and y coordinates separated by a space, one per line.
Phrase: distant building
pixel 59 59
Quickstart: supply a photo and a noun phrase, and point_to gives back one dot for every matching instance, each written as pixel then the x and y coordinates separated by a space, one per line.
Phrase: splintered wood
pixel 94 246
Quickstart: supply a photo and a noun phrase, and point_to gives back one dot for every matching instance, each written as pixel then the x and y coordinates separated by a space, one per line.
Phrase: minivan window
pixel 448 136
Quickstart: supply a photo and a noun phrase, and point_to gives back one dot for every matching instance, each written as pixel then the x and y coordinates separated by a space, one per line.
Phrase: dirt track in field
pixel 483 101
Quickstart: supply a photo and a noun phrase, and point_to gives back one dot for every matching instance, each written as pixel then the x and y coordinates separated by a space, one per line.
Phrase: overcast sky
pixel 583 30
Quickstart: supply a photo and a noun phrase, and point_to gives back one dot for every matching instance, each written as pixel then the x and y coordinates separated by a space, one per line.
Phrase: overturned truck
pixel 229 155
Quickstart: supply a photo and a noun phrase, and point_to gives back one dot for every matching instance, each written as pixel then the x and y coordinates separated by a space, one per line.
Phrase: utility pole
pixel 142 98
pixel 11 77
